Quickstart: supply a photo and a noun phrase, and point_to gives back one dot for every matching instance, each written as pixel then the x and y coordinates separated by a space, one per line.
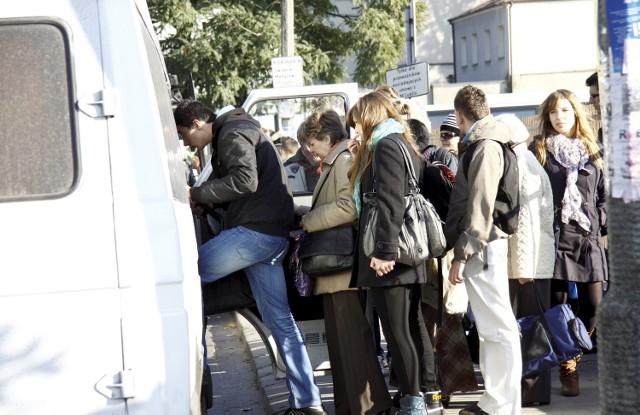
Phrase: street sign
pixel 286 71
pixel 411 80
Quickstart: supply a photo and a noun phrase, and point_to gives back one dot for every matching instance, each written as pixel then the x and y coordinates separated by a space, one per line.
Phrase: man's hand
pixel 455 272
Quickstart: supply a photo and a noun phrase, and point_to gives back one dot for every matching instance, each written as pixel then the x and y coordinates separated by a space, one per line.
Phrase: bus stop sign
pixel 411 80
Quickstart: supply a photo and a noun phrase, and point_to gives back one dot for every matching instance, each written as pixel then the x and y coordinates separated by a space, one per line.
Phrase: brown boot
pixel 569 378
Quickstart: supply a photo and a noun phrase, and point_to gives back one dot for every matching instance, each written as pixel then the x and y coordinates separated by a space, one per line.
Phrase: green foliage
pixel 227 45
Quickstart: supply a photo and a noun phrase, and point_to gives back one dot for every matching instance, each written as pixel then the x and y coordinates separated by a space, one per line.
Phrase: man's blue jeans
pixel 261 256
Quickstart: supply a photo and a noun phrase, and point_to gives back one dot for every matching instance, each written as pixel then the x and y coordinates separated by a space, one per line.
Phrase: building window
pixel 474 49
pixel 500 43
pixel 487 45
pixel 463 53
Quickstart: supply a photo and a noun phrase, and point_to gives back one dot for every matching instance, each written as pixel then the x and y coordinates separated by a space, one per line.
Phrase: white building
pixel 522 46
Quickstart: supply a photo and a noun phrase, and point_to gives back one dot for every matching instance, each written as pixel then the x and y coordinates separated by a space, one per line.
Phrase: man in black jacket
pixel 249 181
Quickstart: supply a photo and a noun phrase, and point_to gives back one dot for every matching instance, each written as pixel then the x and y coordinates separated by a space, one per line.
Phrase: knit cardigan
pixel 532 249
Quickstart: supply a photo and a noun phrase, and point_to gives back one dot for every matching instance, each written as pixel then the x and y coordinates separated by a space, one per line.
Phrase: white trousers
pixel 500 356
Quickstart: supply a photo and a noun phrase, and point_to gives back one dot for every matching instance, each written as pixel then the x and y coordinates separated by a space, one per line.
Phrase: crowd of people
pixel 558 241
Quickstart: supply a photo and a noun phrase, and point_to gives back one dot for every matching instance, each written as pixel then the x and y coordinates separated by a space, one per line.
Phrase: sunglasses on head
pixel 447 135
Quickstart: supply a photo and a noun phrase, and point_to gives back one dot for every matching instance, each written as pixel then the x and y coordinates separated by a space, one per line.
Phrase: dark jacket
pixel 580 255
pixel 251 180
pixel 392 184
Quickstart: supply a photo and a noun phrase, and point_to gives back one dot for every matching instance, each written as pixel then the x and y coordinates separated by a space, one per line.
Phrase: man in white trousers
pixel 480 252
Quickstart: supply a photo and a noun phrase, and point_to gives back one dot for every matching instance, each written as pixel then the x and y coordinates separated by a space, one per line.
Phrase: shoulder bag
pixel 421 234
pixel 553 337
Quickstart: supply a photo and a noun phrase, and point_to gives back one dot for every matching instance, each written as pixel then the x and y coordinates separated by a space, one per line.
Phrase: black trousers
pixel 413 364
pixel 537 388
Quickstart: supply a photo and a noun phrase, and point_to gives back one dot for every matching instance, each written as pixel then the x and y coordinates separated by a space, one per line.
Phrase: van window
pixel 38 145
pixel 282 117
pixel 162 88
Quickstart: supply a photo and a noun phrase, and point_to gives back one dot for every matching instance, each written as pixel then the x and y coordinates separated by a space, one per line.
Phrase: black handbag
pixel 421 235
pixel 327 252
pixel 551 338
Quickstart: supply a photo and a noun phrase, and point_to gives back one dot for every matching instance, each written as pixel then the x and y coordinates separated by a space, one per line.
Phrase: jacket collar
pixel 333 155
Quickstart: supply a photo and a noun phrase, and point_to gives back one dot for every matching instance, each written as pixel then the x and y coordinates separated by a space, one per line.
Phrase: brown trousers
pixel 358 384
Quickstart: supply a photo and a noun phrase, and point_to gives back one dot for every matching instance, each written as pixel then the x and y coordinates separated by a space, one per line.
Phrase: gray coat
pixel 392 185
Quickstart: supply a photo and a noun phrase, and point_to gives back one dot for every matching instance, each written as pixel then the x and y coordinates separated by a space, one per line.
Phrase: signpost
pixel 411 80
pixel 287 71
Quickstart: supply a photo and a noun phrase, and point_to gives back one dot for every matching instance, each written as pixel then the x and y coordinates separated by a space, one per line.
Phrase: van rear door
pixel 60 307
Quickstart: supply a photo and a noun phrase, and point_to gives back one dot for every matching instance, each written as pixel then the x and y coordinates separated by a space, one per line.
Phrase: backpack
pixel 436 185
pixel 507 206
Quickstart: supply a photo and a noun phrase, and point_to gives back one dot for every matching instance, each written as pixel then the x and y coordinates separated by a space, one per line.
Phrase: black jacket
pixel 392 184
pixel 248 177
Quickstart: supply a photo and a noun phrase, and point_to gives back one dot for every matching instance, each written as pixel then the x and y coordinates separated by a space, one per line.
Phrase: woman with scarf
pixel 569 153
pixel 394 288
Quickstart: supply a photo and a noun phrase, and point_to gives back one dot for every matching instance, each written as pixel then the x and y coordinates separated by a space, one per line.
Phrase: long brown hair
pixel 392 95
pixel 370 111
pixel 581 130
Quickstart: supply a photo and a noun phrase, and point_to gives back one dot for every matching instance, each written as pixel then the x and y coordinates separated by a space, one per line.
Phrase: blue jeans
pixel 260 256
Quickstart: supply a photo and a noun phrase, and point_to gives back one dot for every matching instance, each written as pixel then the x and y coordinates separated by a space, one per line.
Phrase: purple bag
pixel 303 283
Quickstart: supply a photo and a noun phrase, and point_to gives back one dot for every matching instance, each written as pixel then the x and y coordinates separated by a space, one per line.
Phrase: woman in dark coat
pixel 394 287
pixel 569 153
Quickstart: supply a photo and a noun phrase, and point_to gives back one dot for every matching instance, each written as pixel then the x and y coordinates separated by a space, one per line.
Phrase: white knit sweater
pixel 532 249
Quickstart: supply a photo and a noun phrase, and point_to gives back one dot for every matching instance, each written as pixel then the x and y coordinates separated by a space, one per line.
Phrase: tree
pixel 227 45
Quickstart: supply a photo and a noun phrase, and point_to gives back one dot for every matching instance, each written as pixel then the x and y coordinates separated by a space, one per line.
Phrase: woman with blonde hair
pixel 571 156
pixel 394 287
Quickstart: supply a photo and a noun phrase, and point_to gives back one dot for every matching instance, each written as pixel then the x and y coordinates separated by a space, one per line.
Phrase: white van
pixel 100 303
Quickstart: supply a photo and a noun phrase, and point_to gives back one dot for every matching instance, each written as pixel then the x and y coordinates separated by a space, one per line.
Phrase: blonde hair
pixel 581 130
pixel 370 111
pixel 394 96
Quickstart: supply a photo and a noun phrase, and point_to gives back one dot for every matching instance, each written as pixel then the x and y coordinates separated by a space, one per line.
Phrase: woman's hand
pixel 523 281
pixel 382 267
pixel 353 146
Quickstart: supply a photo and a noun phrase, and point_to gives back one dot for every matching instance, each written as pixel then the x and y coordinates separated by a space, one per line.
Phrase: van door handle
pixel 117 385
pixel 99 104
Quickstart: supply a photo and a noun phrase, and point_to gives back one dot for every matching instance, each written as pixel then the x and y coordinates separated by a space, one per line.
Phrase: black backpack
pixel 507 206
pixel 436 185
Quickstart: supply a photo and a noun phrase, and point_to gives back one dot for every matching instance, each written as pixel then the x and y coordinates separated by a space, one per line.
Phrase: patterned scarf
pixel 388 127
pixel 572 155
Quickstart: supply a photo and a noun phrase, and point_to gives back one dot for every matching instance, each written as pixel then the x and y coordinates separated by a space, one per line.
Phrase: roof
pixel 490 4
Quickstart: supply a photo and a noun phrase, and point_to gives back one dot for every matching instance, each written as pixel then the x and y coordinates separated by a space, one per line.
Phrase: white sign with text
pixel 286 71
pixel 411 80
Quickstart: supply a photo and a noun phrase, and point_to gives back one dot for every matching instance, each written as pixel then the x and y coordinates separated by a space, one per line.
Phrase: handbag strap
pixel 413 181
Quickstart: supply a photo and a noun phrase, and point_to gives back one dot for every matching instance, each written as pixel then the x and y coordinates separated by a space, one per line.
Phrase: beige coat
pixel 333 206
pixel 469 226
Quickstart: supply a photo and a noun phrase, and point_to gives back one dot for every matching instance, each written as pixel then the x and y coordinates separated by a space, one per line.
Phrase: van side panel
pixel 155 242
pixel 99 283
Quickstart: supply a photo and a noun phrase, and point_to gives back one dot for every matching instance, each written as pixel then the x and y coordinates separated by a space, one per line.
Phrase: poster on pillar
pixel 411 80
pixel 623 129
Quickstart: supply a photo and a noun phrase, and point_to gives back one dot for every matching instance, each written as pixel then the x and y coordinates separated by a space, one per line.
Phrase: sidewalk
pixel 244 381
